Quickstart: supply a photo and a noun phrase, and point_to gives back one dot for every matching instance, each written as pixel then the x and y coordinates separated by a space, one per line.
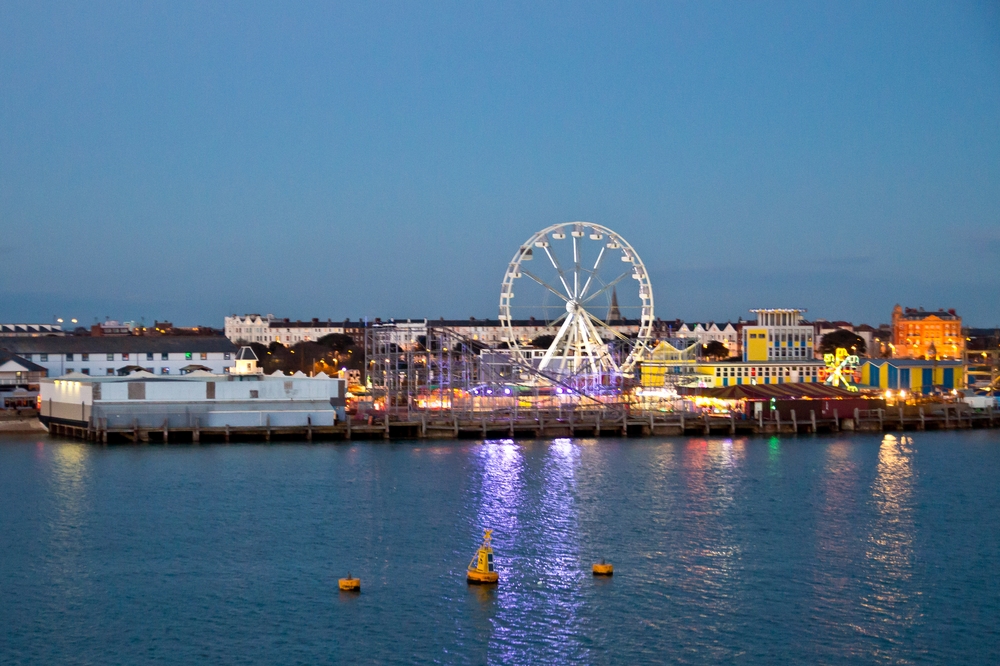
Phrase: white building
pixel 104 356
pixel 29 330
pixel 199 399
pixel 711 332
pixel 778 335
pixel 268 329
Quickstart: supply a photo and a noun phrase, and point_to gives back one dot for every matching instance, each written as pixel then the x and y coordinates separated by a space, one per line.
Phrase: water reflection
pixel 890 543
pixel 68 480
pixel 710 553
pixel 836 544
pixel 500 496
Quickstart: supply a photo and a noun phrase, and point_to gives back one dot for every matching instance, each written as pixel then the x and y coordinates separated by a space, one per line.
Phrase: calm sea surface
pixel 793 550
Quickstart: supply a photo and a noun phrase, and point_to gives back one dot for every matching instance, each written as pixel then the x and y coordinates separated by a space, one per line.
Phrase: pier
pixel 546 424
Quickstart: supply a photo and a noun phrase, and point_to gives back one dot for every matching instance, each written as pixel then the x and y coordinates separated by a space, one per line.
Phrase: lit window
pixel 164 356
pixel 84 357
pixel 109 371
pixel 204 356
pixel 43 357
pixel 164 371
pixel 69 357
pixel 124 357
pixel 111 357
pixel 85 371
pixel 149 356
pixel 187 356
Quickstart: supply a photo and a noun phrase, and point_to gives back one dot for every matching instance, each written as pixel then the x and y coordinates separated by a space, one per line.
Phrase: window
pixel 124 357
pixel 109 371
pixel 149 356
pixel 149 370
pixel 226 356
pixel 164 356
pixel 204 356
pixel 164 371
pixel 187 356
pixel 85 371
pixel 69 370
pixel 69 357
pixel 84 357
pixel 43 357
pixel 111 357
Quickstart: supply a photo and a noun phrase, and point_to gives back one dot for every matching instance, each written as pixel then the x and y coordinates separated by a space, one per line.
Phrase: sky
pixel 184 161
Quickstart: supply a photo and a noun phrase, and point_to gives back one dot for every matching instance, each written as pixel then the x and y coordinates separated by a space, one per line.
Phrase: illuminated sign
pixel 841 367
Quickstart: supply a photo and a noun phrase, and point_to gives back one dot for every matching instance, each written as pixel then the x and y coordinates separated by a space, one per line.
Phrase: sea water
pixel 808 549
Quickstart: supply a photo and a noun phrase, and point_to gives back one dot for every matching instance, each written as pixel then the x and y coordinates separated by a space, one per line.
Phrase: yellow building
pixel 778 335
pixel 914 375
pixel 927 335
pixel 668 366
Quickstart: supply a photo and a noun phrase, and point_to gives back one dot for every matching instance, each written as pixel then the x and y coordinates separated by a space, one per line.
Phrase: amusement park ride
pixel 582 281
pixel 841 367
pixel 585 277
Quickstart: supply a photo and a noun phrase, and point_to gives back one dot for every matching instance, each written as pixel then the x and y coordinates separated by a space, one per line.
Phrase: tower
pixel 614 314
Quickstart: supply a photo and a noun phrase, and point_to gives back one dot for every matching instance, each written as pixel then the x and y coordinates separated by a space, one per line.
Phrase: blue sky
pixel 185 161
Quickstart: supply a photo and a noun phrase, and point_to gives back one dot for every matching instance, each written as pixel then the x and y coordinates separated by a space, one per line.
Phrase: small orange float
pixel 603 568
pixel 350 584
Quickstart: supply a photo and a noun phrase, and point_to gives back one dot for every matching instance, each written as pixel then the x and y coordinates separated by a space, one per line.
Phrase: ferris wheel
pixel 592 292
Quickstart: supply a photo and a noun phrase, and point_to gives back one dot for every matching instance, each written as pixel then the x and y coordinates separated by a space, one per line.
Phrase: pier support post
pixel 682 423
pixel 624 424
pixel 836 420
pixel 267 422
pixel 423 425
pixel 650 424
pixel 227 433
pixel 795 422
pixel 597 424
pixel 732 423
pixel 857 419
pixel 881 425
pixel 923 424
pixel 541 426
pixel 760 421
pixel 196 435
pixel 166 432
pixel 348 419
pixel 901 421
pixel 777 420
pixel 309 429
pixel 572 432
pixel 385 433
pixel 708 428
pixel 812 418
pixel 455 417
pixel 484 426
pixel 135 431
pixel 947 421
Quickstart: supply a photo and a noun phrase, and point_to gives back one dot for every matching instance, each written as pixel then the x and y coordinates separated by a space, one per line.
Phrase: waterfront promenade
pixel 554 423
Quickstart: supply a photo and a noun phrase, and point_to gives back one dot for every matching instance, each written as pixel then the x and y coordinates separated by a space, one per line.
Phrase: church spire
pixel 614 314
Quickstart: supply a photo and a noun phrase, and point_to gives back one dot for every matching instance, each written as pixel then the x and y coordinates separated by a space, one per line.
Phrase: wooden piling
pixel 812 418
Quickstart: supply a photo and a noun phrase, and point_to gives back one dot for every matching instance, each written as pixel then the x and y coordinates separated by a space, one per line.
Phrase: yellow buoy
pixel 481 570
pixel 350 584
pixel 603 568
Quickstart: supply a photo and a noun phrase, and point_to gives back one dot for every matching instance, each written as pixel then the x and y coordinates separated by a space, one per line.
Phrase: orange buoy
pixel 603 568
pixel 350 584
pixel 481 570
